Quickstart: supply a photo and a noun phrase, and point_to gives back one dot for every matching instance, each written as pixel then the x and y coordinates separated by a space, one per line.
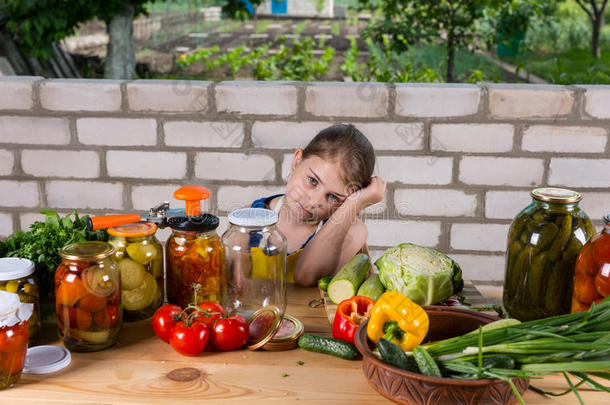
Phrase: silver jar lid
pixel 253 217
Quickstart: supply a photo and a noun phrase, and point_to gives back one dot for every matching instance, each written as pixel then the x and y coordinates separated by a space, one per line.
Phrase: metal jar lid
pixel 262 326
pixel 556 195
pixel 195 223
pixel 287 336
pixel 12 268
pixel 89 251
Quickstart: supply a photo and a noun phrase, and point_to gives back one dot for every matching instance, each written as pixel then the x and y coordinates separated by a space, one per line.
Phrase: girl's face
pixel 315 188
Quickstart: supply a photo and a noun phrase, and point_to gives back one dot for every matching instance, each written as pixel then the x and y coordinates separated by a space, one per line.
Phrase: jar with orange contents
pixel 13 337
pixel 195 256
pixel 88 296
pixel 592 271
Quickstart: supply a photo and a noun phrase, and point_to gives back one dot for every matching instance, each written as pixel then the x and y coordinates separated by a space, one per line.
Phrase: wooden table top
pixel 137 369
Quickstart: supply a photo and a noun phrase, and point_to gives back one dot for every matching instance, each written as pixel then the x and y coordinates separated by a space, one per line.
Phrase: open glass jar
pixel 88 296
pixel 13 337
pixel 543 243
pixel 17 276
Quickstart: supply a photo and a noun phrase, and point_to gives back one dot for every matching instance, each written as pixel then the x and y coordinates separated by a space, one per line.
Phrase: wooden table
pixel 137 370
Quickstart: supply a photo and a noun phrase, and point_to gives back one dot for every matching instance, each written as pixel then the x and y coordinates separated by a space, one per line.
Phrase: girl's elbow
pixel 303 279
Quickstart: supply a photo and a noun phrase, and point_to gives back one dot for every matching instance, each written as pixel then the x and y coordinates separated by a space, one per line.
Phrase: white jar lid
pixel 46 359
pixel 253 217
pixel 12 268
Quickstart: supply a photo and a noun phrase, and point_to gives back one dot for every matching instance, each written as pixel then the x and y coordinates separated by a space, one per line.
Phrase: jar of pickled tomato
pixel 13 337
pixel 195 261
pixel 88 296
pixel 17 276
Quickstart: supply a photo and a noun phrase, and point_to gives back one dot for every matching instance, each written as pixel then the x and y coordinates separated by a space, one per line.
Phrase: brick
pixel 234 166
pixel 233 197
pixel 481 267
pixel 386 232
pixel 16 93
pixel 546 138
pixel 435 202
pixel 6 224
pixel 117 131
pixel 168 95
pixel 595 204
pixel 19 194
pixel 285 134
pixel 437 100
pixel 597 101
pixel 58 163
pixel 256 98
pixel 347 100
pixel 147 165
pixel 7 161
pixel 80 95
pixel 204 134
pixel 145 197
pixel 33 130
pixel 501 171
pixel 481 138
pixel 394 136
pixel 85 194
pixel 505 204
pixel 487 237
pixel 509 101
pixel 27 219
pixel 286 164
pixel 579 172
pixel 415 169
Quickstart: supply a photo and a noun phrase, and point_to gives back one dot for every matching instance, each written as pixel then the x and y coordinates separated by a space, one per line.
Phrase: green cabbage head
pixel 422 274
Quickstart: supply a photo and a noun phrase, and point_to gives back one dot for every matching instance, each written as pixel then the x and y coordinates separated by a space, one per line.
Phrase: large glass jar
pixel 256 262
pixel 17 276
pixel 592 271
pixel 195 261
pixel 140 258
pixel 543 243
pixel 13 337
pixel 88 296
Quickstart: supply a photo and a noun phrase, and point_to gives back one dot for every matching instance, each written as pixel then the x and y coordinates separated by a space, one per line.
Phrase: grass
pixel 261 26
pixel 301 26
pixel 335 29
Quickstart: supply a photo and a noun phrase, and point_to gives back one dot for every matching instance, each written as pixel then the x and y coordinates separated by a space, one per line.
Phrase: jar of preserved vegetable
pixel 543 243
pixel 13 337
pixel 88 296
pixel 17 276
pixel 140 259
pixel 592 271
pixel 195 261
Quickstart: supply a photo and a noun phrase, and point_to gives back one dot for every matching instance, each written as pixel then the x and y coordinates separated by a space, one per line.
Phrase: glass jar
pixel 195 261
pixel 13 337
pixel 17 276
pixel 88 296
pixel 256 263
pixel 140 259
pixel 543 243
pixel 592 271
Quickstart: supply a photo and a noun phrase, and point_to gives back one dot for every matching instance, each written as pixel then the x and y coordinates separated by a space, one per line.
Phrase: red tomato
pixel 107 317
pixel 189 340
pixel 230 333
pixel 164 320
pixel 210 307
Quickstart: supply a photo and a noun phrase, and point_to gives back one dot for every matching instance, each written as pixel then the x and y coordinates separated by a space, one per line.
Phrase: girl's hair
pixel 346 144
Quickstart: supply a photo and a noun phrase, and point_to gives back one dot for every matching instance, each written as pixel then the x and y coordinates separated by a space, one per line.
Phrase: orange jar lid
pixel 131 230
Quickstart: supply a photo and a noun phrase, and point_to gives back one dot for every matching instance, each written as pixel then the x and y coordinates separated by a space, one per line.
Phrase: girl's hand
pixel 371 194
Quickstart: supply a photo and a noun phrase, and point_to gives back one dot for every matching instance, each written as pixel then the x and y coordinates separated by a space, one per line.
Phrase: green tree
pixel 595 12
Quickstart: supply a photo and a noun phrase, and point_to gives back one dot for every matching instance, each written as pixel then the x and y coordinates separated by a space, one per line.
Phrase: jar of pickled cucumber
pixel 195 261
pixel 140 258
pixel 17 276
pixel 13 337
pixel 592 271
pixel 543 243
pixel 88 296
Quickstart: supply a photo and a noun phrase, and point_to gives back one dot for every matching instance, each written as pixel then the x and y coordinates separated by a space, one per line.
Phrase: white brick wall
pixel 145 197
pixel 383 232
pixel 25 220
pixel 84 194
pixel 446 100
pixel 7 161
pixel 595 205
pixel 505 204
pixel 57 163
pixel 234 166
pixel 486 237
pixel 597 101
pixel 415 169
pixel 501 171
pixel 80 95
pixel 545 138
pixel 256 98
pixel 481 267
pixel 168 96
pixel 390 136
pixel 17 94
pixel 580 172
pixel 472 137
pixel 356 100
pixel 35 131
pixel 117 131
pixel 6 225
pixel 204 134
pixel 146 165
pixel 233 197
pixel 19 194
pixel 529 102
pixel 435 202
pixel 284 134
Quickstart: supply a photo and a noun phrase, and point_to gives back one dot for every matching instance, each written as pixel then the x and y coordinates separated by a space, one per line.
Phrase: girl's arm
pixel 341 237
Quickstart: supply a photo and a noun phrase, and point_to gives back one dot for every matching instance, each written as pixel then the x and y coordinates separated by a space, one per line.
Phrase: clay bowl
pixel 411 388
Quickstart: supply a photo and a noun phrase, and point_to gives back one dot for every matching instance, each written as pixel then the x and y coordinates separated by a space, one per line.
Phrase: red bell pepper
pixel 351 313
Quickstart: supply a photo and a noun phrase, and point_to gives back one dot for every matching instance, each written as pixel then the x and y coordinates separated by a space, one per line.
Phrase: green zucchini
pixel 346 282
pixel 326 345
pixel 323 282
pixel 371 287
pixel 425 362
pixel 394 356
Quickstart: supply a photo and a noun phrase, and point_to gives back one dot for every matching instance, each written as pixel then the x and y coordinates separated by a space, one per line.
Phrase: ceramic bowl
pixel 414 389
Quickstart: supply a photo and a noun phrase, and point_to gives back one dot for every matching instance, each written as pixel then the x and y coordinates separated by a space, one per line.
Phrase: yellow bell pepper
pixel 399 320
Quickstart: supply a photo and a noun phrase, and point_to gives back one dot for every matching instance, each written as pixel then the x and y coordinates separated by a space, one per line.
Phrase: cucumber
pixel 323 282
pixel 394 356
pixel 371 287
pixel 335 347
pixel 425 362
pixel 347 281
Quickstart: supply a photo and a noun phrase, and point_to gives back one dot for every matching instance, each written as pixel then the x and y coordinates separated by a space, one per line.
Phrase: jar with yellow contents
pixel 140 259
pixel 17 276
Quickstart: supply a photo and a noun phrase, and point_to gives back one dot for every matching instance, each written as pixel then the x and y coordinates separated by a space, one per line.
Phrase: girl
pixel 329 185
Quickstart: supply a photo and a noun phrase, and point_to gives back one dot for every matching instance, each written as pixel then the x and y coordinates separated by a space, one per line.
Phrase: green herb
pixel 284 375
pixel 300 363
